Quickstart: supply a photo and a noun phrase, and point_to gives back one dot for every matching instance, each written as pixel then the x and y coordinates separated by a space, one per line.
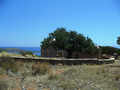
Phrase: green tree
pixel 69 41
pixel 118 40
pixel 60 37
pixel 75 42
pixel 57 39
pixel 109 50
pixel 90 47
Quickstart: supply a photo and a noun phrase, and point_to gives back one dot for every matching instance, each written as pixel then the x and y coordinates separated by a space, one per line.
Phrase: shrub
pixel 53 75
pixel 116 77
pixel 40 68
pixel 4 54
pixel 3 85
pixel 9 65
pixel 24 53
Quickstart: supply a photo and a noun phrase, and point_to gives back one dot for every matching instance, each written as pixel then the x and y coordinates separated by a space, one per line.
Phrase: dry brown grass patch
pixel 40 68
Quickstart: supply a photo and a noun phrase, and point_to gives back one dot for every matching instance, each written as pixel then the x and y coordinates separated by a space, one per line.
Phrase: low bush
pixel 9 65
pixel 53 75
pixel 4 54
pixel 3 85
pixel 24 53
pixel 40 68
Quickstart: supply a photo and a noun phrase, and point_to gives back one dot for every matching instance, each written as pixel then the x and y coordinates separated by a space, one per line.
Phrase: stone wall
pixel 62 61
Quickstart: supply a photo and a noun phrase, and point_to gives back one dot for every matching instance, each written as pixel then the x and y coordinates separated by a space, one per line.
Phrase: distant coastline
pixel 35 50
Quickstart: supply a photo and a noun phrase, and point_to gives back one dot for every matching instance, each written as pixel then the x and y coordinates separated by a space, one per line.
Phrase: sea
pixel 35 50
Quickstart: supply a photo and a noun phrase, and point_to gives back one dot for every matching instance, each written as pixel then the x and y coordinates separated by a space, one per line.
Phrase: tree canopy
pixel 109 50
pixel 118 40
pixel 57 39
pixel 70 41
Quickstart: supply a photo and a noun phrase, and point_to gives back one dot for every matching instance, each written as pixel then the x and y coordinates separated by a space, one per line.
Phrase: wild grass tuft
pixel 40 68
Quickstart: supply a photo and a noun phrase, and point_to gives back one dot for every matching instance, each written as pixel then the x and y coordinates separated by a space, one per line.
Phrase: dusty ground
pixel 59 77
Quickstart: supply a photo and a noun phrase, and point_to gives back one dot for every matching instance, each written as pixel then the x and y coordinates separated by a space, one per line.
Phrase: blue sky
pixel 28 22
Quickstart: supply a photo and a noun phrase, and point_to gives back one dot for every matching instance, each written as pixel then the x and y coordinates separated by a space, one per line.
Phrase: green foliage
pixel 16 50
pixel 57 39
pixel 26 53
pixel 70 41
pixel 118 40
pixel 109 50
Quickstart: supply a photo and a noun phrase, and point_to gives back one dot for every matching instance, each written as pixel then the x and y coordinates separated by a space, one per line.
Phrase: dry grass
pixel 79 77
pixel 85 77
pixel 3 85
pixel 40 68
pixel 9 65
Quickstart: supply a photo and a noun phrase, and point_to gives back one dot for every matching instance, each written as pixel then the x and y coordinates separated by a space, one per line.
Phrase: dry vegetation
pixel 43 76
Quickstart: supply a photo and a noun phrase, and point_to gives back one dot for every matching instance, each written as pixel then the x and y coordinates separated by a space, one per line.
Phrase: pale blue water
pixel 35 50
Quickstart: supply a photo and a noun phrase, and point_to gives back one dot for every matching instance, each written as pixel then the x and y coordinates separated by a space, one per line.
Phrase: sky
pixel 25 23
